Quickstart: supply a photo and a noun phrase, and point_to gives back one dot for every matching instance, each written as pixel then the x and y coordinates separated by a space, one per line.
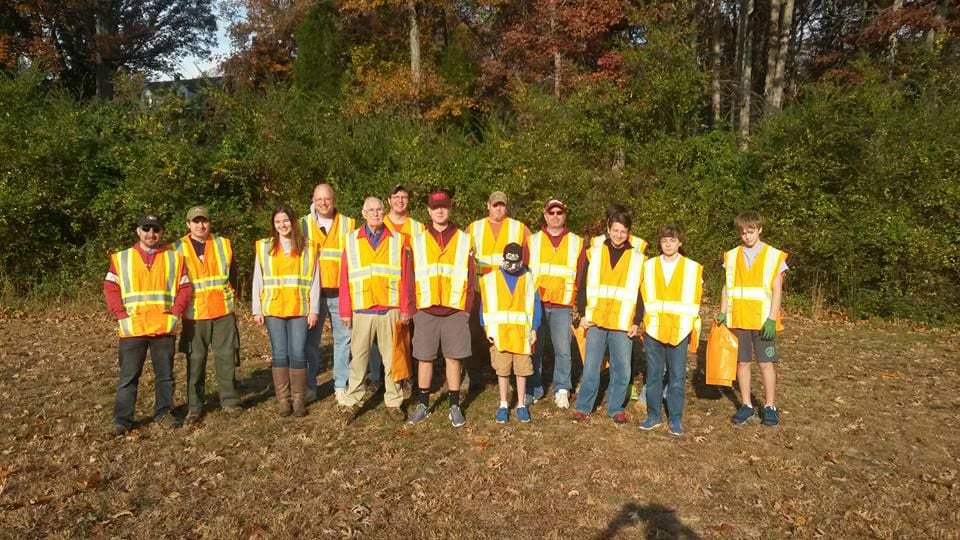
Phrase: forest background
pixel 838 120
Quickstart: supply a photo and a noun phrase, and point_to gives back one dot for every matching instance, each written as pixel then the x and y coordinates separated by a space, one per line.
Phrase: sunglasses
pixel 151 228
pixel 555 213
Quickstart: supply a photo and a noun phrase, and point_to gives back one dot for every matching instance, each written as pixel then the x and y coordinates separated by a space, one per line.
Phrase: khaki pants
pixel 366 328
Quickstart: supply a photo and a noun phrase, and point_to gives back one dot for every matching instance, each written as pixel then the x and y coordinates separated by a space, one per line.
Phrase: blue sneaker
pixel 771 416
pixel 503 414
pixel 523 414
pixel 456 416
pixel 744 414
pixel 675 428
pixel 419 414
pixel 650 423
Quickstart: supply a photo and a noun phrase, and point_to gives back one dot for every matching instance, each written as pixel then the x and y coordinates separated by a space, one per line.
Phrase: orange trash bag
pixel 400 365
pixel 581 336
pixel 721 356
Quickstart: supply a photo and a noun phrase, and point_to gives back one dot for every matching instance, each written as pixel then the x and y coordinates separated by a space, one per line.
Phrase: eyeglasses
pixel 555 213
pixel 151 228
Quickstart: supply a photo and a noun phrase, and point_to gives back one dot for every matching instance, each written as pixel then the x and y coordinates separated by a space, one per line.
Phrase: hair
pixel 672 230
pixel 615 208
pixel 298 242
pixel 747 219
pixel 618 215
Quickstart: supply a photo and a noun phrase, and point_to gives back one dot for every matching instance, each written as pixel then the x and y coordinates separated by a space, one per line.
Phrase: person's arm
pixel 232 276
pixel 256 306
pixel 537 310
pixel 184 293
pixel 775 299
pixel 313 316
pixel 721 317
pixel 582 289
pixel 113 295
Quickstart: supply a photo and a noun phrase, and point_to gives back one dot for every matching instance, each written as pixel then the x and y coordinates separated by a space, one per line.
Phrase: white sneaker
pixel 340 394
pixel 562 399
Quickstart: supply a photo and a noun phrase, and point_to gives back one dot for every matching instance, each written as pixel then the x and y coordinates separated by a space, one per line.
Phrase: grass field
pixel 869 447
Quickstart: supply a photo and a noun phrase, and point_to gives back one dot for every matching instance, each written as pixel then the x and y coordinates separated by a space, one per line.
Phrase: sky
pixel 192 67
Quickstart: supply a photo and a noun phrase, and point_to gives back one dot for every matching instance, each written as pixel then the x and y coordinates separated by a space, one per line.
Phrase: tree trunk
pixel 102 54
pixel 746 70
pixel 773 47
pixel 715 50
pixel 416 73
pixel 897 6
pixel 783 50
pixel 557 57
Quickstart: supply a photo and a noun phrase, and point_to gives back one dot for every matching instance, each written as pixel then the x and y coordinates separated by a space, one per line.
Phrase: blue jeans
pixel 675 359
pixel 329 307
pixel 132 352
pixel 557 320
pixel 287 336
pixel 621 348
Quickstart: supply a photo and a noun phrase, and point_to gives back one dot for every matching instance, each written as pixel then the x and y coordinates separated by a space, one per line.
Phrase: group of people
pixel 395 289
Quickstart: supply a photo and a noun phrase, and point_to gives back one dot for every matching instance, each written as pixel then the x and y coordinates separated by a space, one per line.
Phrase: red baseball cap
pixel 554 203
pixel 439 199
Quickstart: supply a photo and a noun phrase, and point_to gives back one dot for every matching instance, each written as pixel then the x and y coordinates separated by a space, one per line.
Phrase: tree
pixel 263 35
pixel 320 61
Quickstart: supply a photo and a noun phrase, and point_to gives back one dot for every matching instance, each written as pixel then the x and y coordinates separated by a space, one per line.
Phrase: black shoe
pixel 168 421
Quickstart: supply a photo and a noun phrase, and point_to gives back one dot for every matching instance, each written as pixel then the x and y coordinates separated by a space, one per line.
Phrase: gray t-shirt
pixel 750 255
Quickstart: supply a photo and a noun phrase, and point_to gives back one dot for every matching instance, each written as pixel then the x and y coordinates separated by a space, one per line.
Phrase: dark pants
pixel 218 336
pixel 133 353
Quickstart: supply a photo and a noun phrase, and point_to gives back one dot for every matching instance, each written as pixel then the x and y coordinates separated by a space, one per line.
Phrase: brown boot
pixel 298 386
pixel 281 388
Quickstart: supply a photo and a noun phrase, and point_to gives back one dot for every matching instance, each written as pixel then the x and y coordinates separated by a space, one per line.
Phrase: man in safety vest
pixel 147 290
pixel 209 322
pixel 445 280
pixel 510 314
pixel 376 293
pixel 750 307
pixel 672 286
pixel 492 233
pixel 399 220
pixel 325 230
pixel 557 259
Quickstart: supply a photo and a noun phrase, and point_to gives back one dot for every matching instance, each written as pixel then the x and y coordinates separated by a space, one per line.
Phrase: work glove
pixel 769 330
pixel 721 319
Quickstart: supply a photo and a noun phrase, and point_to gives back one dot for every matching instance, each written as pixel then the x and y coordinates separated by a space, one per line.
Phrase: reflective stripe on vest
pixel 148 294
pixel 555 268
pixel 671 311
pixel 328 247
pixel 636 242
pixel 213 296
pixel 750 291
pixel 488 250
pixel 374 275
pixel 441 276
pixel 286 280
pixel 612 292
pixel 508 317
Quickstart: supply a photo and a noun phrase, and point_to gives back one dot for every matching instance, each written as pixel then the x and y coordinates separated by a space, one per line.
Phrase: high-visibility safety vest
pixel 410 227
pixel 374 274
pixel 148 293
pixel 636 242
pixel 671 311
pixel 212 294
pixel 286 280
pixel 555 267
pixel 489 250
pixel 328 247
pixel 441 275
pixel 750 291
pixel 612 292
pixel 508 317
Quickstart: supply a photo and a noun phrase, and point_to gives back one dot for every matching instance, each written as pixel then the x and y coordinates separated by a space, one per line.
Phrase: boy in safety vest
pixel 671 290
pixel 750 307
pixel 510 315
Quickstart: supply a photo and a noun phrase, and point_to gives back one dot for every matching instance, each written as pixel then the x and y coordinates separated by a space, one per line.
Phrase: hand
pixel 721 318
pixel 584 324
pixel 312 320
pixel 633 330
pixel 347 321
pixel 490 339
pixel 258 319
pixel 404 318
pixel 769 330
pixel 533 337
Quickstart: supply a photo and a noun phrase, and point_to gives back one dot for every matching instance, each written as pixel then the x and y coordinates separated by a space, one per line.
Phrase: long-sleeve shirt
pixel 512 285
pixel 257 307
pixel 408 302
pixel 581 259
pixel 114 297
pixel 615 254
pixel 443 238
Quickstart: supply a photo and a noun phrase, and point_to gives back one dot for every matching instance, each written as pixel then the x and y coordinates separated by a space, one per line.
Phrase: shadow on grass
pixel 661 522
pixel 709 391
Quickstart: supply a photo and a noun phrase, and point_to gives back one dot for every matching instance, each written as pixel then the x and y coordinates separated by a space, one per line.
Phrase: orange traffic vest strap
pixel 750 290
pixel 555 267
pixel 508 317
pixel 374 275
pixel 441 275
pixel 148 293
pixel 410 227
pixel 286 280
pixel 213 296
pixel 636 242
pixel 672 310
pixel 488 250
pixel 328 246
pixel 612 292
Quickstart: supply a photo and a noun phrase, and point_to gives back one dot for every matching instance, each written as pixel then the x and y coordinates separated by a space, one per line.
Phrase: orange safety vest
pixel 750 290
pixel 441 275
pixel 212 294
pixel 410 227
pixel 636 242
pixel 489 250
pixel 286 280
pixel 374 274
pixel 612 292
pixel 148 293
pixel 328 247
pixel 555 267
pixel 671 311
pixel 508 317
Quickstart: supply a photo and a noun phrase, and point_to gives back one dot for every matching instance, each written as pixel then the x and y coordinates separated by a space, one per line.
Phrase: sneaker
pixel 233 411
pixel 581 418
pixel 771 416
pixel 650 423
pixel 169 421
pixel 744 414
pixel 619 418
pixel 118 430
pixel 503 414
pixel 193 418
pixel 420 413
pixel 396 414
pixel 675 428
pixel 562 399
pixel 523 414
pixel 456 416
pixel 340 394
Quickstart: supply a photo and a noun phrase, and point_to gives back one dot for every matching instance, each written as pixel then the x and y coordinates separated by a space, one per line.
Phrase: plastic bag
pixel 721 356
pixel 400 364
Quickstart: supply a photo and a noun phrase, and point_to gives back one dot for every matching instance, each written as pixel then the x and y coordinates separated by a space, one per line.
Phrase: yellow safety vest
pixel 671 311
pixel 750 290
pixel 555 267
pixel 508 317
pixel 373 275
pixel 213 296
pixel 410 227
pixel 286 280
pixel 148 293
pixel 488 250
pixel 636 242
pixel 328 247
pixel 612 292
pixel 441 275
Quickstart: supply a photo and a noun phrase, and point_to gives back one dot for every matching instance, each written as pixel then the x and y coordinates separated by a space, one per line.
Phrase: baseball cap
pixel 512 252
pixel 554 203
pixel 439 199
pixel 150 220
pixel 497 197
pixel 398 188
pixel 198 211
